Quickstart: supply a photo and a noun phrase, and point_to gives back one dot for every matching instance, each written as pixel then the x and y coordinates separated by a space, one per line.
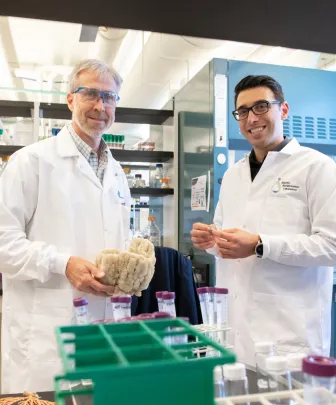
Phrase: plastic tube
pixel 203 295
pixel 81 311
pixel 159 298
pixel 169 303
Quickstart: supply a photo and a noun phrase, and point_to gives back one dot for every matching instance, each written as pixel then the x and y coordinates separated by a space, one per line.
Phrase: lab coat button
pixel 244 226
pixel 238 260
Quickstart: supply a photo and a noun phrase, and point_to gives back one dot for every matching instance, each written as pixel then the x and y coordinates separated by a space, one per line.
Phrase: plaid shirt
pixel 98 165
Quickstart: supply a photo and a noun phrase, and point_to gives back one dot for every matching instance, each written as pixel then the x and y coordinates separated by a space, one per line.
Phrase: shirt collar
pixel 253 158
pixel 83 147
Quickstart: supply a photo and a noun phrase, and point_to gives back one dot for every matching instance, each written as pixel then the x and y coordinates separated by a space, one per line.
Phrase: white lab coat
pixel 52 206
pixel 286 296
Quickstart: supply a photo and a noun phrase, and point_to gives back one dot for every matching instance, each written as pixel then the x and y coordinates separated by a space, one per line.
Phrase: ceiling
pixel 37 56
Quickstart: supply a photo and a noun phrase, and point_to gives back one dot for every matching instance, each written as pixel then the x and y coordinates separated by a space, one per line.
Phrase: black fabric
pixel 173 272
pixel 255 166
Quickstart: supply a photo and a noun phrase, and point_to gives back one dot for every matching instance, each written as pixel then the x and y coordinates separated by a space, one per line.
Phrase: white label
pixel 221 114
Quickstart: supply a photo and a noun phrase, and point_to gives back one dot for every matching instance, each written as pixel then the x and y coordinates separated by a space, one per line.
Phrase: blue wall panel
pixel 310 93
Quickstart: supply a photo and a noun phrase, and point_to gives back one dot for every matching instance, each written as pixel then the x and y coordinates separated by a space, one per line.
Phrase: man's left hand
pixel 235 243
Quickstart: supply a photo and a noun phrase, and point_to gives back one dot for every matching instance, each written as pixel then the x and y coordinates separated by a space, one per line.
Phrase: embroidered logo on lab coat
pixel 284 186
pixel 121 198
pixel 277 186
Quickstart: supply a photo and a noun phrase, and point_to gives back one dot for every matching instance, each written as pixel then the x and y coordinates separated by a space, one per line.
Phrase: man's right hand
pixel 82 275
pixel 201 236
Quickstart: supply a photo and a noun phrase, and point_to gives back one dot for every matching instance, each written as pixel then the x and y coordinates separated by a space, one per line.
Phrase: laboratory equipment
pixel 235 380
pixel 263 350
pixel 169 303
pixel 295 369
pixel 164 182
pixel 203 295
pixel 81 311
pixel 279 377
pixel 158 176
pixel 158 295
pixel 124 307
pixel 129 177
pixel 319 379
pixel 152 232
pixel 219 382
pixel 139 182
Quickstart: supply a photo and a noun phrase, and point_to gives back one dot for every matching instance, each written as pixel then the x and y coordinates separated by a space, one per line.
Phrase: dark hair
pixel 250 82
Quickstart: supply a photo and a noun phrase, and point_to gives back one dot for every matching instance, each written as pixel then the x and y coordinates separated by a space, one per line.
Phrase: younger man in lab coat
pixel 274 231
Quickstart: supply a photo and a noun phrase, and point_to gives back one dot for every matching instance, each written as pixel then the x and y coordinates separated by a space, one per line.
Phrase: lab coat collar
pixel 66 147
pixel 291 148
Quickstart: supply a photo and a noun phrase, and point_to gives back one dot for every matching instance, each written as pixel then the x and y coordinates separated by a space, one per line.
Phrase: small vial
pixel 169 303
pixel 295 369
pixel 159 298
pixel 124 306
pixel 211 305
pixel 235 380
pixel 203 296
pixel 138 181
pixel 81 311
pixel 164 315
pixel 116 308
pixel 319 379
pixel 219 382
pixel 221 301
pixel 181 339
pixel 263 350
pixel 279 378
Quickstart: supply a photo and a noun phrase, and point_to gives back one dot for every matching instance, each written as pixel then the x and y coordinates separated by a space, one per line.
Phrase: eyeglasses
pixel 259 108
pixel 90 95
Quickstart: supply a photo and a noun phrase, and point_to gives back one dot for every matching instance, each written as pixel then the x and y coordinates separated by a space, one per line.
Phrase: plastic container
pixel 319 379
pixel 116 308
pixel 158 175
pixel 263 350
pixel 221 304
pixel 158 295
pixel 81 311
pixel 279 377
pixel 129 177
pixel 124 307
pixel 295 369
pixel 120 355
pixel 219 382
pixel 152 232
pixel 212 305
pixel 235 380
pixel 138 181
pixel 165 182
pixel 203 295
pixel 169 303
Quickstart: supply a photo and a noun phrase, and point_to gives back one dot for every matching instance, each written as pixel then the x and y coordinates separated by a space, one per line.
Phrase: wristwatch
pixel 259 249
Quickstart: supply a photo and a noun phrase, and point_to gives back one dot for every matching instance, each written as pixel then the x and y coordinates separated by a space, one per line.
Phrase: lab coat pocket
pixel 282 214
pixel 51 308
pixel 280 319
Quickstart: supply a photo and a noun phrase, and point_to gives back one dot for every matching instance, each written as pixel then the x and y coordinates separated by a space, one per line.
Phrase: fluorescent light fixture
pixel 331 66
pixel 129 51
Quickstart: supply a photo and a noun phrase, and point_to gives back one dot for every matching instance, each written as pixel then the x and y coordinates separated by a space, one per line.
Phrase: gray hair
pixel 94 66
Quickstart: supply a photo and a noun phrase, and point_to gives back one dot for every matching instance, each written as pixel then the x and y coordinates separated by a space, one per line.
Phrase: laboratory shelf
pixel 153 192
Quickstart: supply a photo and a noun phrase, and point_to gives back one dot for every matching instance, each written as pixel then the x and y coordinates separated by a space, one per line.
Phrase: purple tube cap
pixel 115 299
pixel 222 291
pixel 125 299
pixel 212 290
pixel 158 294
pixel 79 302
pixel 202 290
pixel 185 318
pixel 168 295
pixel 142 317
pixel 161 315
pixel 319 366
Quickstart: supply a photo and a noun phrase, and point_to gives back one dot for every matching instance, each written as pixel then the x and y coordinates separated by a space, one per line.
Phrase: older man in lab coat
pixel 274 231
pixel 62 201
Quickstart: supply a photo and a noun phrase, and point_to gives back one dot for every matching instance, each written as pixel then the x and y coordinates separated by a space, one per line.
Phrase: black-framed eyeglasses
pixel 259 108
pixel 91 95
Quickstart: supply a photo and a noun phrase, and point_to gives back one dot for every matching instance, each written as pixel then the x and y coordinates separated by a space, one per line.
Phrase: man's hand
pixel 235 243
pixel 201 236
pixel 82 275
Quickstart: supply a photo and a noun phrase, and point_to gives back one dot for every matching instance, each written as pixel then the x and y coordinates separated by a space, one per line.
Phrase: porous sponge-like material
pixel 131 271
